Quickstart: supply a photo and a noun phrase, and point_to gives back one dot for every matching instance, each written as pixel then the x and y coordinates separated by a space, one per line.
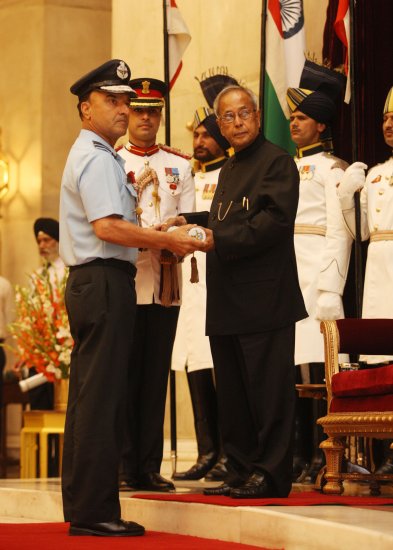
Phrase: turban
pixel 388 107
pixel 48 226
pixel 316 105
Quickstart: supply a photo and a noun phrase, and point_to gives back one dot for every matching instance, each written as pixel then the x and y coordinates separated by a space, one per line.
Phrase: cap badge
pixel 122 71
pixel 145 87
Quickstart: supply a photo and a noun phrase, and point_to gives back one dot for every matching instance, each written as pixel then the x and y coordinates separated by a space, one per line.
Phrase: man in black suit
pixel 253 302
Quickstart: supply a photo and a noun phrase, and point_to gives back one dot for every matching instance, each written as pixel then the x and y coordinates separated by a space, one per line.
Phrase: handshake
pixel 353 180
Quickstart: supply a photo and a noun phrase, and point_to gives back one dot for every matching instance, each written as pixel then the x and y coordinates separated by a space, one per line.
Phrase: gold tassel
pixel 194 270
pixel 169 284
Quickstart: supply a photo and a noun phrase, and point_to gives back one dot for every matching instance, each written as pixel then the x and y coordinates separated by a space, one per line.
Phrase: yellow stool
pixel 37 425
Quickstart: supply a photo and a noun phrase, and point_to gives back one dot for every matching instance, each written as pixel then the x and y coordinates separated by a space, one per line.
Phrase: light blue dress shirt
pixel 94 186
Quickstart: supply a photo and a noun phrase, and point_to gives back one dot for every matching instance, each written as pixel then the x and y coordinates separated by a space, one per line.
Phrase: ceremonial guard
pixel 376 203
pixel 192 349
pixel 322 244
pixel 165 187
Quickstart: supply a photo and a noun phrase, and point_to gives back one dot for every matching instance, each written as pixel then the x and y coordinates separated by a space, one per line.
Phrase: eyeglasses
pixel 152 111
pixel 243 114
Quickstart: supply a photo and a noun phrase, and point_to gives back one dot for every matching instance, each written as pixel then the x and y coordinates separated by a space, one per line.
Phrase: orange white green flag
pixel 284 62
pixel 178 39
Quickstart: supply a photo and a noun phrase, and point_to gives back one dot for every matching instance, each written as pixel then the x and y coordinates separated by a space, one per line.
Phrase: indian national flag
pixel 178 39
pixel 285 46
pixel 342 29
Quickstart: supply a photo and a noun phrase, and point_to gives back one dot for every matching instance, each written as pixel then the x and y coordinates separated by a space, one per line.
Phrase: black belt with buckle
pixel 111 262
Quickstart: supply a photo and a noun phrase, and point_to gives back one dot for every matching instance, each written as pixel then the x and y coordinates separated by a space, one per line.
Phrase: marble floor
pixel 292 528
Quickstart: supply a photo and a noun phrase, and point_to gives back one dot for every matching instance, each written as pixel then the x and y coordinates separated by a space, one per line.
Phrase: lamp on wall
pixel 4 172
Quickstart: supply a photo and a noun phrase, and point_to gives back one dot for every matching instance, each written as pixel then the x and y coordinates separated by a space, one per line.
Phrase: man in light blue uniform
pixel 99 240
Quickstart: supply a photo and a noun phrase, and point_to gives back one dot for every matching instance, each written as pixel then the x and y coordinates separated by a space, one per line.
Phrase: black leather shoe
pixel 129 484
pixel 219 472
pixel 116 528
pixel 256 486
pixel 153 481
pixel 222 490
pixel 198 470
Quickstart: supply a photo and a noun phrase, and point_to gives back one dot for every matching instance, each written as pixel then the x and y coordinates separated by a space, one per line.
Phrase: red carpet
pixel 54 536
pixel 307 498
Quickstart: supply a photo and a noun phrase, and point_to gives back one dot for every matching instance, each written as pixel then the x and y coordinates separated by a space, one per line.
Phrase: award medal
pixel 208 191
pixel 172 178
pixel 307 172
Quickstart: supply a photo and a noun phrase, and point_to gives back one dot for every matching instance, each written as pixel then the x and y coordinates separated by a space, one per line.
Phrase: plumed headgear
pixel 388 107
pixel 213 85
pixel 318 90
pixel 48 226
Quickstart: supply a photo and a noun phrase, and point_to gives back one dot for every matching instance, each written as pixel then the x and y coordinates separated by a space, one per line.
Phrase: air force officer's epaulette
pixel 99 145
pixel 174 151
pixel 338 163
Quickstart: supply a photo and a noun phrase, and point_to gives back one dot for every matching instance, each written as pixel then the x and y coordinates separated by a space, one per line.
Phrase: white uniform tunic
pixel 192 347
pixel 177 194
pixel 322 260
pixel 376 201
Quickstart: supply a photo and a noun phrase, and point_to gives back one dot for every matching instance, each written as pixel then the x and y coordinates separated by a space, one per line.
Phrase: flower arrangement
pixel 41 331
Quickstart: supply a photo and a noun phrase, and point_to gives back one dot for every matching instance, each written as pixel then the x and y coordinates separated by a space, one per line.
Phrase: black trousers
pixel 255 379
pixel 154 335
pixel 101 307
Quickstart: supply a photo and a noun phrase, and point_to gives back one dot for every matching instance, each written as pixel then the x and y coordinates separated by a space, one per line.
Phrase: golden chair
pixel 360 402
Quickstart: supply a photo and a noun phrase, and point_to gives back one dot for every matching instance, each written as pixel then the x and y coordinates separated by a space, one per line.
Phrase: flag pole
pixel 354 132
pixel 166 76
pixel 172 373
pixel 263 60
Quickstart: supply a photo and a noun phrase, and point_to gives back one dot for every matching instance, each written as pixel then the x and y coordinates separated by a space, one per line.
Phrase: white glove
pixel 328 306
pixel 352 180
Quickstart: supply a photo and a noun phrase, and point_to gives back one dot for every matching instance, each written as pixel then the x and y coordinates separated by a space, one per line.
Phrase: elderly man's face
pixel 48 247
pixel 238 119
pixel 205 146
pixel 387 128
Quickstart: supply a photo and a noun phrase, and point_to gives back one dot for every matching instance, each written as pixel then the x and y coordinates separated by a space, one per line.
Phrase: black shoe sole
pixel 80 532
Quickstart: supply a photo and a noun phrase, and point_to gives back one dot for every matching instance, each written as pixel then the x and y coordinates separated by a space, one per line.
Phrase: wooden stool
pixel 38 425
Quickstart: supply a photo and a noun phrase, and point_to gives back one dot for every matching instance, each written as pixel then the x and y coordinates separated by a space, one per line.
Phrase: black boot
pixel 302 448
pixel 386 465
pixel 204 406
pixel 319 409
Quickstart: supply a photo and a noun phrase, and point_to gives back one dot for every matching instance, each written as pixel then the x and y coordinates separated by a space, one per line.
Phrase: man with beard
pixel 191 349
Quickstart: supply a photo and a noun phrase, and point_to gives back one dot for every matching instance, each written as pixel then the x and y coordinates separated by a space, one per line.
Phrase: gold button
pixel 375 227
pixel 381 191
pixel 378 209
pixel 150 204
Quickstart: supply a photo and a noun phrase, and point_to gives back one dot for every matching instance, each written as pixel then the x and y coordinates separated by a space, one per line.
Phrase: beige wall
pixel 46 46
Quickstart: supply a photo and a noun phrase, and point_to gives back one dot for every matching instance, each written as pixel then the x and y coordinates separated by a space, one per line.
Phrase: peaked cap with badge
pixel 112 76
pixel 388 107
pixel 150 92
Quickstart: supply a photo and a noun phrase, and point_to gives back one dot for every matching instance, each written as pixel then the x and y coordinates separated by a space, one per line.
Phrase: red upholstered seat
pixel 360 402
pixel 377 381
